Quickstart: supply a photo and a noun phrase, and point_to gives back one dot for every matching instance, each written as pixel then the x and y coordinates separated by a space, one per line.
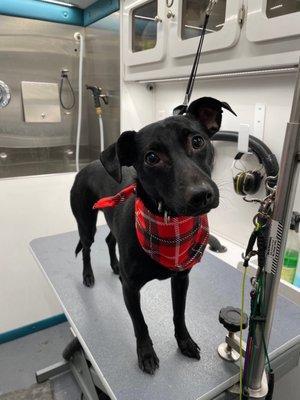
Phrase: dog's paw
pixel 189 348
pixel 147 358
pixel 89 279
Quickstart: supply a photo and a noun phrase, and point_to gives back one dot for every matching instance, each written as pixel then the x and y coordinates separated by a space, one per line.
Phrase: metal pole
pixel 284 200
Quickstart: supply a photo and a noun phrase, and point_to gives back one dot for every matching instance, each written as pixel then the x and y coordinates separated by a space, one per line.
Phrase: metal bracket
pixel 81 372
pixel 253 394
pixel 259 120
pixel 241 15
pixel 53 370
pixel 78 364
pixel 229 350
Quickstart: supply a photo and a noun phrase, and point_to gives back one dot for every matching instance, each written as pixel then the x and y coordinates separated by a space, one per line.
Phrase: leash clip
pixel 271 189
pixel 252 200
pixel 251 254
pixel 210 6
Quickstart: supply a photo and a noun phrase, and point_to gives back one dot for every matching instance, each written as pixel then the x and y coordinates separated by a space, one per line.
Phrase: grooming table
pixel 101 323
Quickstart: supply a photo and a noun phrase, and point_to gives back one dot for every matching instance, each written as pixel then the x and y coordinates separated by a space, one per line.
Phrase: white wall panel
pixel 31 207
pixel 233 218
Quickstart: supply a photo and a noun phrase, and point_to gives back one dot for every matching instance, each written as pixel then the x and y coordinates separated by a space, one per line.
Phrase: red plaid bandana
pixel 118 198
pixel 176 243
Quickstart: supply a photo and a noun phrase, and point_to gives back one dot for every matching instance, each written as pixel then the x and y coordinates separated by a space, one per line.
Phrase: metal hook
pixel 251 254
pixel 267 186
pixel 252 200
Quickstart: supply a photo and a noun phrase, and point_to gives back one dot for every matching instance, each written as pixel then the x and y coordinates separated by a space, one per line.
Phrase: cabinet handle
pixel 169 3
pixel 157 19
pixel 170 14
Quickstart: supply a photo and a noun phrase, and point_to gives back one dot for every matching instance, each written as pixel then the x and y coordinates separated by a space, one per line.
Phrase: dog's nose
pixel 200 196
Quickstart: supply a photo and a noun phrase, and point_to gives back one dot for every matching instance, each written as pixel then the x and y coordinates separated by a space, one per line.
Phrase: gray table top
pixel 100 320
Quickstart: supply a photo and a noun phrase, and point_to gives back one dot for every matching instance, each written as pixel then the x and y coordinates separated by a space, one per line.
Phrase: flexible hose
pixel 101 128
pixel 241 332
pixel 68 108
pixel 262 151
pixel 81 40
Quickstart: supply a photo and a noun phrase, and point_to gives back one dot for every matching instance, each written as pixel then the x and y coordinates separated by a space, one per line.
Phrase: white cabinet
pixel 150 27
pixel 272 19
pixel 143 31
pixel 160 37
pixel 222 32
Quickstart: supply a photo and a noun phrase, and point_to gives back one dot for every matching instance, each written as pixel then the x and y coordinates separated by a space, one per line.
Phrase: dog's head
pixel 208 111
pixel 173 160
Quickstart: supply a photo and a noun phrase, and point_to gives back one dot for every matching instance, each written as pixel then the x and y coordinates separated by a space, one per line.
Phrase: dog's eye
pixel 197 142
pixel 151 158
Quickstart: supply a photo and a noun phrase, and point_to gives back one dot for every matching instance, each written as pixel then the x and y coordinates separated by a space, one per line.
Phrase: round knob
pixel 230 318
pixel 170 14
pixel 3 156
pixel 69 152
pixel 157 19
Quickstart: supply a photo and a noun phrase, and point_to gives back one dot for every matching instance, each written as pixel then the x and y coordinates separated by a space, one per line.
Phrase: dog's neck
pixel 155 206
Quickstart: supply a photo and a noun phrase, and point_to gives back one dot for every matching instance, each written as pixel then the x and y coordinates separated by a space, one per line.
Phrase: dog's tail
pixel 78 248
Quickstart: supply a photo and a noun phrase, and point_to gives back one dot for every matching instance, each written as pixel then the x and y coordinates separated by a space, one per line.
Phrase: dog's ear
pixel 121 153
pixel 227 107
pixel 208 111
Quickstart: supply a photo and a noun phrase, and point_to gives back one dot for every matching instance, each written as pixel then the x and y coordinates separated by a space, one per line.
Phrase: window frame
pixel 224 38
pixel 260 28
pixel 154 54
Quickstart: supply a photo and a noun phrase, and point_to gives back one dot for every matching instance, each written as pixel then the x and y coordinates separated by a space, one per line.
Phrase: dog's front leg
pixel 188 347
pixel 147 358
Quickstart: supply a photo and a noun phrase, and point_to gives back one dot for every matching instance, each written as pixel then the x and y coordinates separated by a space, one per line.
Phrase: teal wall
pixel 36 9
pixel 35 327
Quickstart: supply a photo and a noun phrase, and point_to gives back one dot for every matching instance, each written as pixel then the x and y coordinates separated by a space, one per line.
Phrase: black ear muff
pixel 238 182
pixel 247 182
pixel 252 182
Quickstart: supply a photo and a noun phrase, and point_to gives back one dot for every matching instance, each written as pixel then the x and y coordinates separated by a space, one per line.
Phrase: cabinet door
pixel 272 19
pixel 223 28
pixel 143 31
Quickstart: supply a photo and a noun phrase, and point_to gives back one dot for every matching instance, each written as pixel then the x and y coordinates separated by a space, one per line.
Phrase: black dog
pixel 171 163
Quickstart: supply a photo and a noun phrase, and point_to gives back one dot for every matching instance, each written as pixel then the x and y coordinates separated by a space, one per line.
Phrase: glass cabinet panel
pixel 276 8
pixel 144 27
pixel 193 13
